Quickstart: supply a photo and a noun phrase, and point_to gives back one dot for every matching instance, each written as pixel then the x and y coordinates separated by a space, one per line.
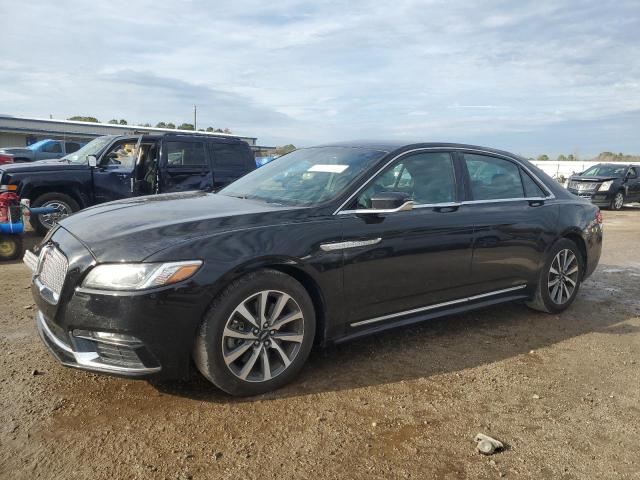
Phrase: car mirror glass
pixel 93 161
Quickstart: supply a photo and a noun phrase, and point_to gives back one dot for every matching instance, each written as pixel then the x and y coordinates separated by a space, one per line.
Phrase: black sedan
pixel 607 185
pixel 325 244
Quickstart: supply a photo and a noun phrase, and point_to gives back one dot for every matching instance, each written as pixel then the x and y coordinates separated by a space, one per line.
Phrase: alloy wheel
pixel 618 201
pixel 563 276
pixel 50 219
pixel 263 336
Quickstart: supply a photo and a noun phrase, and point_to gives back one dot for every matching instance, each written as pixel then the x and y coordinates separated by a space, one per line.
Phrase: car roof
pixel 394 145
pixel 212 138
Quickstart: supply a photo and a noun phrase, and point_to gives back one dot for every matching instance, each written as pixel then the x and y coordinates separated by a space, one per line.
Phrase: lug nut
pixel 255 331
pixel 272 332
pixel 256 343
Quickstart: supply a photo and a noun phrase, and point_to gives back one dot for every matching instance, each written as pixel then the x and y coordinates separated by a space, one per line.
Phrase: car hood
pixel 133 229
pixel 41 166
pixel 591 179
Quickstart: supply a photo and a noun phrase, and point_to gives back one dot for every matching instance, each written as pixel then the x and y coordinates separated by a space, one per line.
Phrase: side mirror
pixel 391 201
pixel 93 161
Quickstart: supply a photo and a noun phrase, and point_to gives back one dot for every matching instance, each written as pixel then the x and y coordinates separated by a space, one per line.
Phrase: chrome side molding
pixel 331 247
pixel 437 305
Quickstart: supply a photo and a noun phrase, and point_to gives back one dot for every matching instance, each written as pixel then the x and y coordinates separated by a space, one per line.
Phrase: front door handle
pixel 536 203
pixel 447 207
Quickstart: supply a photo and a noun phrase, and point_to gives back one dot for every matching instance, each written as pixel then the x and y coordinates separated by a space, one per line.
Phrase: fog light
pixel 106 337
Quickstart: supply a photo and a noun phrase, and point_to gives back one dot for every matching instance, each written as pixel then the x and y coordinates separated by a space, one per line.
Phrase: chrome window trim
pixel 436 305
pixel 450 150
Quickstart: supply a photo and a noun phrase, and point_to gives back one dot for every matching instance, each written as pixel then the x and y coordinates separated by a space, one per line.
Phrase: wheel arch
pixel 295 269
pixel 36 192
pixel 576 238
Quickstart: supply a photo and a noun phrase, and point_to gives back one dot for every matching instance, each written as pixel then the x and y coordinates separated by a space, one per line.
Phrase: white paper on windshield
pixel 328 168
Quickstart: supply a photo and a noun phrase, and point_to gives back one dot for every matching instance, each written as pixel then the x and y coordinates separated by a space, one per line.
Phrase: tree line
pixel 602 157
pixel 122 121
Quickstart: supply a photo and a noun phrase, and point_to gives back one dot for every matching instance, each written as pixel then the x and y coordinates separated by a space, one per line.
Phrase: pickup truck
pixel 115 167
pixel 42 150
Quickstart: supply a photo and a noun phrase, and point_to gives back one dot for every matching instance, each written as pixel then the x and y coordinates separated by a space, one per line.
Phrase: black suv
pixel 607 185
pixel 115 167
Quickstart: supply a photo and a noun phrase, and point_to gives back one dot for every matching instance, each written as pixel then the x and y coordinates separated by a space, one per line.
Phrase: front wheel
pixel 64 205
pixel 560 278
pixel 257 334
pixel 618 201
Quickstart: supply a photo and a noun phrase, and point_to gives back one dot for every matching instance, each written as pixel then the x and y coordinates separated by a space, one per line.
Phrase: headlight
pixel 605 186
pixel 138 276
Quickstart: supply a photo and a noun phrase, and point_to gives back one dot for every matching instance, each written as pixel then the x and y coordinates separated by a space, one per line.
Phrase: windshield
pixel 94 147
pixel 305 177
pixel 37 145
pixel 605 171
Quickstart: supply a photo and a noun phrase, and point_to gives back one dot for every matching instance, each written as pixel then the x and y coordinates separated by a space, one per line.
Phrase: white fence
pixel 566 169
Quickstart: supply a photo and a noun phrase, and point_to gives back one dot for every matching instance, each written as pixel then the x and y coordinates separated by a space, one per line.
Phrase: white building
pixel 20 131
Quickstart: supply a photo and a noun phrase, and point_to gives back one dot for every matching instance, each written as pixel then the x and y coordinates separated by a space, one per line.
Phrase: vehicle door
pixel 403 260
pixel 633 184
pixel 184 165
pixel 112 177
pixel 514 222
pixel 49 150
pixel 229 163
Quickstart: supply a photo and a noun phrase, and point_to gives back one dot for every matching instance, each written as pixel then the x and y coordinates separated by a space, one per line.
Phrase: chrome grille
pixel 582 186
pixel 53 269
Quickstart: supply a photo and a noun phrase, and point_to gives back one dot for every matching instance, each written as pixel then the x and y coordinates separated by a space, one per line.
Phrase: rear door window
pixel 493 178
pixel 186 155
pixel 52 147
pixel 531 188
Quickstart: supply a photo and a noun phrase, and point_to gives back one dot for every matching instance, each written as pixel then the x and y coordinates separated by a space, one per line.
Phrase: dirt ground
pixel 562 392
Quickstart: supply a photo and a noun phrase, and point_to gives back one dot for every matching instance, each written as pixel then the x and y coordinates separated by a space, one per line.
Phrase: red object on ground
pixel 7 199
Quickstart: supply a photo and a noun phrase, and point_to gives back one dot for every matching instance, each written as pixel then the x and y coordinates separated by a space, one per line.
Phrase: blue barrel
pixel 14 228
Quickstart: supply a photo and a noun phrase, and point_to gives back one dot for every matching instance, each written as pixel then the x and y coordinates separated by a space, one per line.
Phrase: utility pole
pixel 195 117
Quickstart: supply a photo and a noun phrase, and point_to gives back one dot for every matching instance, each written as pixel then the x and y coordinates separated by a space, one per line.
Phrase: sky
pixel 530 77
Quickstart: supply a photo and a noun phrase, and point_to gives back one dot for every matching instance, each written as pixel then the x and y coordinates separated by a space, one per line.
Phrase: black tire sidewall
pixel 212 327
pixel 36 224
pixel 561 244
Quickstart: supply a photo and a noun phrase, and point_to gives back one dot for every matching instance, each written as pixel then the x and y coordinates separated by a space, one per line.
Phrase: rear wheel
pixel 64 204
pixel 257 334
pixel 560 278
pixel 618 201
pixel 10 247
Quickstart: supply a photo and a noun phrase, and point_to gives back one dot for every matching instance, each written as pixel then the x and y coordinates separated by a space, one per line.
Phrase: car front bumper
pixel 600 199
pixel 132 334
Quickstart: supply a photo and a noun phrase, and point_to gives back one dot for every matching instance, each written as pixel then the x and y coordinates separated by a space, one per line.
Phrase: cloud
pixel 307 72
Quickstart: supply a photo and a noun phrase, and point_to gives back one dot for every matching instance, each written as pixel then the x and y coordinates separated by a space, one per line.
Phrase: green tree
pixel 210 129
pixel 79 118
pixel 171 125
pixel 285 149
pixel 113 121
pixel 543 157
pixel 122 121
pixel 146 125
pixel 562 158
pixel 161 125
pixel 186 126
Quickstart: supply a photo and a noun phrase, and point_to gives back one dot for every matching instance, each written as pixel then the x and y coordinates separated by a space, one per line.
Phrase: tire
pixel 227 334
pixel 547 297
pixel 10 247
pixel 618 201
pixel 44 224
